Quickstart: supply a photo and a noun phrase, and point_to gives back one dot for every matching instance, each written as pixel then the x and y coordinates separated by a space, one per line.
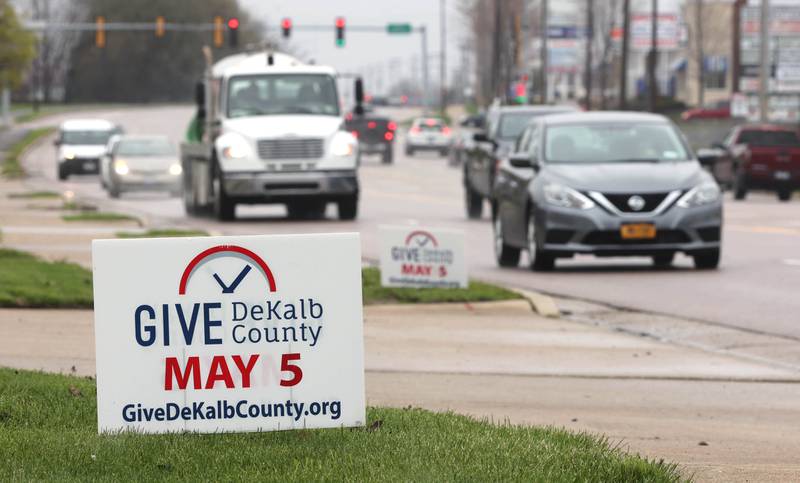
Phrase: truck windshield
pixel 275 94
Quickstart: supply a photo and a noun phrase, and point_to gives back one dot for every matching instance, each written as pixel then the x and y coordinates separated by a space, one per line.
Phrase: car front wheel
pixel 506 256
pixel 707 259
pixel 540 260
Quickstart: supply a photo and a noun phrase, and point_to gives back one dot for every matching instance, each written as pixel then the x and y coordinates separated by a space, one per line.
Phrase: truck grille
pixel 296 148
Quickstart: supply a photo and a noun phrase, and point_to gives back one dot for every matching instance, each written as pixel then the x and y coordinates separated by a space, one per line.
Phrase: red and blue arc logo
pixel 227 250
pixel 421 238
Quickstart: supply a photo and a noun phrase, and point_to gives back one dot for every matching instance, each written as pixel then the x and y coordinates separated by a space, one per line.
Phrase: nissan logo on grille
pixel 636 203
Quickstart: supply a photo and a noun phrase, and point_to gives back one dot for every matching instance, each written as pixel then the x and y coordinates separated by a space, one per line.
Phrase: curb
pixel 543 305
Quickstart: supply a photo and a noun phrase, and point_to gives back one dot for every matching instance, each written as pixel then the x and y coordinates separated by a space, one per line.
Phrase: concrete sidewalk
pixel 722 417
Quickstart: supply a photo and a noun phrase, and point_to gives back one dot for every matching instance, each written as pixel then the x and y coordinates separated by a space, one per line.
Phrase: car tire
pixel 224 207
pixel 740 186
pixel 409 151
pixel 663 260
pixel 306 210
pixel 504 254
pixel 444 153
pixel 785 194
pixel 114 191
pixel 348 208
pixel 474 203
pixel 388 155
pixel 539 260
pixel 63 174
pixel 707 259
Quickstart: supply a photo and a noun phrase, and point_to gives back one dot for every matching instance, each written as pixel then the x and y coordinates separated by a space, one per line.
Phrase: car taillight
pixel 415 130
pixel 392 126
pixel 354 133
pixel 445 130
pixel 388 136
pixel 349 117
pixel 371 124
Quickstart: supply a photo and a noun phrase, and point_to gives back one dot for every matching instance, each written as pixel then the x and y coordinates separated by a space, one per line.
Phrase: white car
pixel 80 145
pixel 428 134
pixel 141 163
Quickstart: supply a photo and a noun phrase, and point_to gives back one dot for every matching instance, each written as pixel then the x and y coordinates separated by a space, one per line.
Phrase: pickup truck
pixel 270 130
pixel 375 134
pixel 503 125
pixel 759 156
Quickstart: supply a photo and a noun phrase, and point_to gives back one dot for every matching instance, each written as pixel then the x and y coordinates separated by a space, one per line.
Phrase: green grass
pixel 161 233
pixel 48 431
pixel 11 167
pixel 99 216
pixel 35 195
pixel 476 292
pixel 28 281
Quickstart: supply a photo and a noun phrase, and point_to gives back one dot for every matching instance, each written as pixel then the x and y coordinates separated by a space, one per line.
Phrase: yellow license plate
pixel 638 231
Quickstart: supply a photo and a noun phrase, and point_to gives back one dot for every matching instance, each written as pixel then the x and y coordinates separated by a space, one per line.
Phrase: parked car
pixel 80 145
pixel 141 163
pixel 463 139
pixel 717 110
pixel 758 156
pixel 503 126
pixel 608 184
pixel 428 134
pixel 376 135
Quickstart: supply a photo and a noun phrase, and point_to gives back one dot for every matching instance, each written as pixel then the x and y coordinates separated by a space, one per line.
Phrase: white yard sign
pixel 253 333
pixel 422 257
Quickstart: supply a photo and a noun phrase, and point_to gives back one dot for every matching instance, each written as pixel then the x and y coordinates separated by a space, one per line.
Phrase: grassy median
pixel 476 292
pixel 48 432
pixel 29 281
pixel 161 233
pixel 11 167
pixel 100 216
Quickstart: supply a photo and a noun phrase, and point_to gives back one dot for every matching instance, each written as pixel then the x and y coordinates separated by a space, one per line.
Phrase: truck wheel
pixel 740 186
pixel 63 174
pixel 224 207
pixel 707 259
pixel 409 151
pixel 474 203
pixel 348 208
pixel 504 254
pixel 784 194
pixel 663 260
pixel 306 210
pixel 388 155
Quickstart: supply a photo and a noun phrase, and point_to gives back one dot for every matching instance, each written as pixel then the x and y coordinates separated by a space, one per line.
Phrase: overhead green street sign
pixel 398 28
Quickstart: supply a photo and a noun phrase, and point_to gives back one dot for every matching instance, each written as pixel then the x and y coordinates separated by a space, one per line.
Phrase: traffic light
pixel 218 31
pixel 233 32
pixel 100 32
pixel 340 31
pixel 286 26
pixel 159 26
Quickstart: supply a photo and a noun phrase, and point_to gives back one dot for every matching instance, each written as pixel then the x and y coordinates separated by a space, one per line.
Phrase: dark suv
pixel 503 126
pixel 375 135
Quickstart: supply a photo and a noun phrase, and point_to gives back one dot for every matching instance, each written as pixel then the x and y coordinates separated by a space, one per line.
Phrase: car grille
pixel 620 201
pixel 613 237
pixel 296 148
pixel 558 237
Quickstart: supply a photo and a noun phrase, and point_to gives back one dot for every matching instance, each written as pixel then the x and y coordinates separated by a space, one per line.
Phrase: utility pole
pixel 736 69
pixel 763 87
pixel 425 86
pixel 443 58
pixel 587 70
pixel 652 59
pixel 543 54
pixel 496 40
pixel 626 34
pixel 701 53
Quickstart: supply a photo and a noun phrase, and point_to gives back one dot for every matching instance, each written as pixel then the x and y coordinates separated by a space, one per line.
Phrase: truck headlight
pixel 235 147
pixel 121 167
pixel 558 195
pixel 700 195
pixel 69 156
pixel 175 169
pixel 343 144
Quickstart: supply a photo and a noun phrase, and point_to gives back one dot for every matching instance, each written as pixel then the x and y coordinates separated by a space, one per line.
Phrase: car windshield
pixel 430 125
pixel 613 143
pixel 512 124
pixel 85 137
pixel 145 147
pixel 275 94
pixel 769 138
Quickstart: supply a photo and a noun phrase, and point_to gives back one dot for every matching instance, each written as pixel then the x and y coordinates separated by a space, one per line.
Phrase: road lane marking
pixel 794 262
pixel 772 230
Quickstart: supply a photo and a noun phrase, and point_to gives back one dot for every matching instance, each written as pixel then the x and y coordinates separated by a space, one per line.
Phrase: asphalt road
pixel 756 287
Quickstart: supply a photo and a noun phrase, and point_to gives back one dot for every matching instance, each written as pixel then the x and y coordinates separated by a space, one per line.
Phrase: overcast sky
pixel 365 49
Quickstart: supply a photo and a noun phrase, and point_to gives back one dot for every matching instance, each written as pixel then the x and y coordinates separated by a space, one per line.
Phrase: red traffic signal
pixel 233 23
pixel 233 32
pixel 286 26
pixel 340 24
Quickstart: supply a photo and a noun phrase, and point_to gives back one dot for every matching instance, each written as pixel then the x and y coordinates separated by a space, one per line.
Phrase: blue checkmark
pixel 232 287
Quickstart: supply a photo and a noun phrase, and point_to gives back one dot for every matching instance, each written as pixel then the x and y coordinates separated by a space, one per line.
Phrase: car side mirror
pixel 708 157
pixel 520 160
pixel 480 137
pixel 56 142
pixel 719 145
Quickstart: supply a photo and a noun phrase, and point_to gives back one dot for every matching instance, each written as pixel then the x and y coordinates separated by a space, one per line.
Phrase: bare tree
pixel 606 18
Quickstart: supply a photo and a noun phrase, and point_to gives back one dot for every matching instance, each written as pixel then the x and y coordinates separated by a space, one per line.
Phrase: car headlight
pixel 175 169
pixel 558 195
pixel 700 195
pixel 121 167
pixel 235 147
pixel 343 144
pixel 69 156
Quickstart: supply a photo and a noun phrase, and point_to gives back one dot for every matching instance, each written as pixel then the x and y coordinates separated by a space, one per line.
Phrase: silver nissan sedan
pixel 608 184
